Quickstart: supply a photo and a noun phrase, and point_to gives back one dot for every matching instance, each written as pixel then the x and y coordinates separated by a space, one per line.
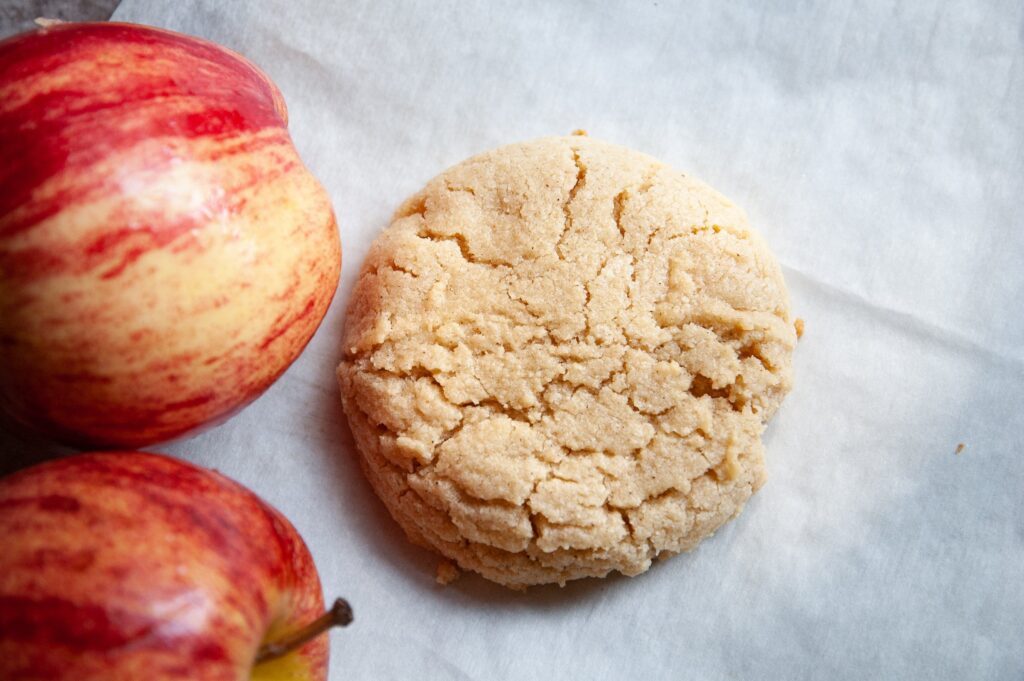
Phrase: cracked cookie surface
pixel 559 360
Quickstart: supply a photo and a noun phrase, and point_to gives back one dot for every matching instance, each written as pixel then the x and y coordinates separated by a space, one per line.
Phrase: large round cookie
pixel 559 359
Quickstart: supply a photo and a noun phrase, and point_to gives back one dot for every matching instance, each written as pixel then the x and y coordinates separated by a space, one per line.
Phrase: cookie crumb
pixel 799 326
pixel 730 468
pixel 579 132
pixel 960 447
pixel 447 572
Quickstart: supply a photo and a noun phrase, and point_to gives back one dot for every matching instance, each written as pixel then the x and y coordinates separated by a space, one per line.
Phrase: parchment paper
pixel 879 148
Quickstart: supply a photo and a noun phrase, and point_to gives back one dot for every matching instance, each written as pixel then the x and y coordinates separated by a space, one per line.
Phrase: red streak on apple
pixel 59 622
pixel 164 253
pixel 130 566
pixel 51 502
pixel 70 127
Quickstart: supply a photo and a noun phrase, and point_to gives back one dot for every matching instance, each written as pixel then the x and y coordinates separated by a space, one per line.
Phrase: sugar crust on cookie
pixel 559 360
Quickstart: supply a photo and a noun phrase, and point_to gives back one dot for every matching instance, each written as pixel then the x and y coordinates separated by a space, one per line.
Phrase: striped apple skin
pixel 164 252
pixel 129 566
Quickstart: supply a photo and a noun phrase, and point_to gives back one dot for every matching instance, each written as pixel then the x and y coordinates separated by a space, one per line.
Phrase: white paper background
pixel 878 146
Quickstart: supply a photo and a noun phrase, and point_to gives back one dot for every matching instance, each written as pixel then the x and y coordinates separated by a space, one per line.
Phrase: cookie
pixel 559 360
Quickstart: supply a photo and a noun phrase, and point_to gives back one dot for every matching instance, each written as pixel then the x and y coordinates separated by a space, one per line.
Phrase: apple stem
pixel 340 615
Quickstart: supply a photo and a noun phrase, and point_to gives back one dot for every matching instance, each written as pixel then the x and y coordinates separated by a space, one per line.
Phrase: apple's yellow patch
pixel 287 668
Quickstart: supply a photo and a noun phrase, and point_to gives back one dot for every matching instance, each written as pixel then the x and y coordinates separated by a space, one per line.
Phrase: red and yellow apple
pixel 164 253
pixel 128 566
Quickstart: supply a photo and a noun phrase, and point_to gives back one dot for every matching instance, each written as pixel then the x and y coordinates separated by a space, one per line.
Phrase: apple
pixel 164 253
pixel 128 566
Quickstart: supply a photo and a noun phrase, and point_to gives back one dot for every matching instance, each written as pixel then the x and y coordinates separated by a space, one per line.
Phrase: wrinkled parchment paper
pixel 878 146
